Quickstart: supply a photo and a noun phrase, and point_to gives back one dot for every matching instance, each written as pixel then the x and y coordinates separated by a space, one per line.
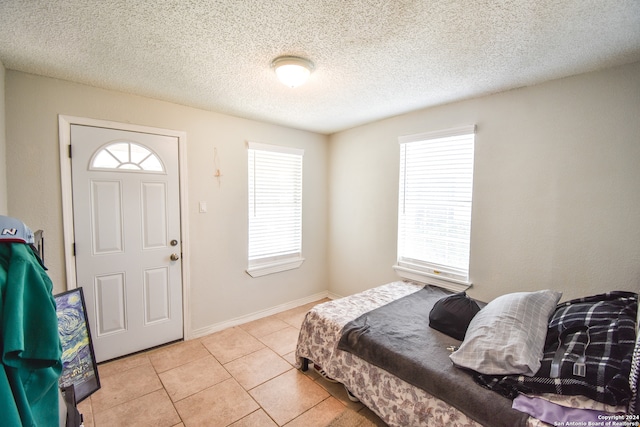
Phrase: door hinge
pixel 73 248
pixel 69 150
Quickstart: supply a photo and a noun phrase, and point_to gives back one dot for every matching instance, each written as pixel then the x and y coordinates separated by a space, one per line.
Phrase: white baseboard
pixel 201 332
pixel 331 295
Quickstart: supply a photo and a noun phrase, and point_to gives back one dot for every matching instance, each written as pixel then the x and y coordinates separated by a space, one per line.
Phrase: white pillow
pixel 507 336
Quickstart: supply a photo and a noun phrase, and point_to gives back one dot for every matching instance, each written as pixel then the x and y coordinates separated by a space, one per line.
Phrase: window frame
pixel 427 271
pixel 107 149
pixel 274 262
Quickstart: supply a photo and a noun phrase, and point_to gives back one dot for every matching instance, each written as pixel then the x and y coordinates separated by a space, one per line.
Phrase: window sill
pixel 431 279
pixel 263 269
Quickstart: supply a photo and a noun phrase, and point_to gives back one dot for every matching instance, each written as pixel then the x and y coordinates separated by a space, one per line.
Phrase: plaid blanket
pixel 634 379
pixel 606 336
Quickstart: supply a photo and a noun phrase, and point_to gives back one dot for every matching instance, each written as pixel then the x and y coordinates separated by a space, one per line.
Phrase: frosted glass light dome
pixel 292 70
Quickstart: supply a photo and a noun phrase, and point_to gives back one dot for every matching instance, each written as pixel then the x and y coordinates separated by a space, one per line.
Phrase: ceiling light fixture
pixel 292 70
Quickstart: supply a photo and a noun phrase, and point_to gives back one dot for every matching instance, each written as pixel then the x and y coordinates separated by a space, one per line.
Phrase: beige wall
pixel 556 191
pixel 220 288
pixel 3 158
pixel 556 196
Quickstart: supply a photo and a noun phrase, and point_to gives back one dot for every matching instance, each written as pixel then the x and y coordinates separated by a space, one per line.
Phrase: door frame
pixel 64 130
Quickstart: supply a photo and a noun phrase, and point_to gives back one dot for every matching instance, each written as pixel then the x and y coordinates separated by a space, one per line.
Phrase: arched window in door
pixel 126 156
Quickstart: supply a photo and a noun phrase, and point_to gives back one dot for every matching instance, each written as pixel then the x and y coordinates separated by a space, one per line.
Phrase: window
pixel 126 156
pixel 434 209
pixel 275 208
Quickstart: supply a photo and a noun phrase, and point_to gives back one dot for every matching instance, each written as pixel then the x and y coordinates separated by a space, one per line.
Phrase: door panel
pixel 154 215
pixel 110 304
pixel 126 212
pixel 156 295
pixel 106 217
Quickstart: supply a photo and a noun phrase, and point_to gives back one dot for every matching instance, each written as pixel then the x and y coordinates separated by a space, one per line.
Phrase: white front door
pixel 126 210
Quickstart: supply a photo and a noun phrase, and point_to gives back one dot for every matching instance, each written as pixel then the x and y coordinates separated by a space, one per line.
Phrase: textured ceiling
pixel 373 59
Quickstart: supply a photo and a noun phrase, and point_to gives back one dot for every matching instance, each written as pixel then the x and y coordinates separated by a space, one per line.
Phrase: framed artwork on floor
pixel 78 359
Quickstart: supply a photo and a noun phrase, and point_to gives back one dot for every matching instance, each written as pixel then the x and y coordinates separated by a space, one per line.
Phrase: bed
pixel 450 396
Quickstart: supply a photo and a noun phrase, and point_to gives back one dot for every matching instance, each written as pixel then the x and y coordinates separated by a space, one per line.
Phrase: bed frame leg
pixel 305 364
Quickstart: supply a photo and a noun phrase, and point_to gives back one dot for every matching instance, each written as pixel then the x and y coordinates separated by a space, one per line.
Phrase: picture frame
pixel 79 366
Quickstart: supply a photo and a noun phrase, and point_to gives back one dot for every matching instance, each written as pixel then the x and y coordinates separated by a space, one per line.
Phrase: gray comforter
pixel 397 338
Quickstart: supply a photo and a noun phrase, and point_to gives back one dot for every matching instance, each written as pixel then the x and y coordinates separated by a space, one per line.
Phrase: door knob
pixel 175 257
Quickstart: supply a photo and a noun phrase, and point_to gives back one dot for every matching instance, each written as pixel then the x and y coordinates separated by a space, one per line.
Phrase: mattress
pixel 395 401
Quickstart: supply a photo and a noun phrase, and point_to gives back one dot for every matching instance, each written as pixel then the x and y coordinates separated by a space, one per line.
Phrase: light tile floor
pixel 240 377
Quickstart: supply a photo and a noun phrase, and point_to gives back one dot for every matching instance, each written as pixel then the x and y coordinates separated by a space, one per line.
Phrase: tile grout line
pixel 257 336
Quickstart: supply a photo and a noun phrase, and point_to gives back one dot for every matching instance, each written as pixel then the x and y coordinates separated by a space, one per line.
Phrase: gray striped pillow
pixel 507 336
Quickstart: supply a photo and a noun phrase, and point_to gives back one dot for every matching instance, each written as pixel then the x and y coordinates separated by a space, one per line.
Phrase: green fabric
pixel 31 349
pixel 8 407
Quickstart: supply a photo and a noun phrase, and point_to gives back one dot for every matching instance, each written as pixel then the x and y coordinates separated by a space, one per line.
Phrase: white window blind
pixel 275 208
pixel 434 215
